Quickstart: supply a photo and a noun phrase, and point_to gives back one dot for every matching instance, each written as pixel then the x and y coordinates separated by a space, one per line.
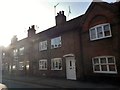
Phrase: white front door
pixel 70 68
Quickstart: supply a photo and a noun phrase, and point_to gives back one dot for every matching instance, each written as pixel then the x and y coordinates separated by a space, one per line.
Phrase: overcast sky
pixel 17 15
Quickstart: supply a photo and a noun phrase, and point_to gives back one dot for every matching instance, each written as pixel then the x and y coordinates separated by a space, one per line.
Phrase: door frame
pixel 70 55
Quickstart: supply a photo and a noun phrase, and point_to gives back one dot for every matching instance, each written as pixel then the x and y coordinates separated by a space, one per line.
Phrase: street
pixel 17 84
pixel 35 82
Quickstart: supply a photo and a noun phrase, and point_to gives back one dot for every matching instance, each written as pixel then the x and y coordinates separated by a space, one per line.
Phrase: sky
pixel 17 15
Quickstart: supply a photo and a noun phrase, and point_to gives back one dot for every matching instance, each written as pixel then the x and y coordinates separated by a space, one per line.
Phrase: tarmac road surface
pixel 17 84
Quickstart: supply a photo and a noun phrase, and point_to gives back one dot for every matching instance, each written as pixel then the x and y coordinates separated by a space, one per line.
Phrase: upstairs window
pixel 100 31
pixel 3 55
pixel 56 64
pixel 5 66
pixel 56 42
pixel 15 52
pixel 21 51
pixel 104 64
pixel 43 45
pixel 43 64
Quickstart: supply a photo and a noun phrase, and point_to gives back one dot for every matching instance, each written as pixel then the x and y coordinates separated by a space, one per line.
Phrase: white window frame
pixel 15 52
pixel 55 64
pixel 21 51
pixel 106 64
pixel 103 32
pixel 6 66
pixel 14 67
pixel 43 45
pixel 43 64
pixel 27 65
pixel 3 55
pixel 21 65
pixel 56 42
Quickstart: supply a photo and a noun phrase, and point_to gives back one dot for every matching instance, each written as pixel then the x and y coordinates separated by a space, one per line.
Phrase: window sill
pixel 106 72
pixel 100 38
pixel 55 47
pixel 42 50
pixel 56 69
pixel 43 69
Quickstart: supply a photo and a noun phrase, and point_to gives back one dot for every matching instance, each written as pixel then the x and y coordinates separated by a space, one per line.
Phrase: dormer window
pixel 56 42
pixel 100 31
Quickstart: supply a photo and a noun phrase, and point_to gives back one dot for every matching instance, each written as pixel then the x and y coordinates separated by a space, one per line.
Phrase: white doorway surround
pixel 70 67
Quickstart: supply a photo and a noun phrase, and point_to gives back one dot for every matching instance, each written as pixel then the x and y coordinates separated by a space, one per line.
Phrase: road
pixel 17 84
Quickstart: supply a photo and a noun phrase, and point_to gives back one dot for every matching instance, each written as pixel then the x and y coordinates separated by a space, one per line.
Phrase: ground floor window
pixel 104 64
pixel 43 64
pixel 27 65
pixel 56 64
pixel 21 65
pixel 14 67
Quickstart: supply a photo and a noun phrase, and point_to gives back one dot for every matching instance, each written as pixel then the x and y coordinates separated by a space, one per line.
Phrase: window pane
pixel 70 63
pixel 96 61
pixel 106 30
pixel 56 42
pixel 43 64
pixel 111 60
pixel 21 50
pixel 97 68
pixel 56 65
pixel 99 32
pixel 43 45
pixel 104 67
pixel 42 67
pixel 21 65
pixel 15 52
pixel 53 64
pixel 93 34
pixel 60 65
pixel 111 67
pixel 102 60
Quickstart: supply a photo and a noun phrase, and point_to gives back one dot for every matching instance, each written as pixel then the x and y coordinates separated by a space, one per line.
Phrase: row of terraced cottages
pixel 86 46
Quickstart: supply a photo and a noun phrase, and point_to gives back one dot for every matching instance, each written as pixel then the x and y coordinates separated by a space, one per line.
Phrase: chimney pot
pixel 60 12
pixel 63 12
pixel 33 26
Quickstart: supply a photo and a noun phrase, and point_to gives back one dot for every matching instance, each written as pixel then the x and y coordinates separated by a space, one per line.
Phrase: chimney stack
pixel 14 39
pixel 31 31
pixel 60 18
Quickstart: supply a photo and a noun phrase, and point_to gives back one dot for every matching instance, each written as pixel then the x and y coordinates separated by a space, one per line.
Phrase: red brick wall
pixel 70 45
pixel 102 47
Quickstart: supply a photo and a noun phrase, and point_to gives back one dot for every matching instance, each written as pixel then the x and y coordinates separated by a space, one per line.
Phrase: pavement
pixel 58 83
